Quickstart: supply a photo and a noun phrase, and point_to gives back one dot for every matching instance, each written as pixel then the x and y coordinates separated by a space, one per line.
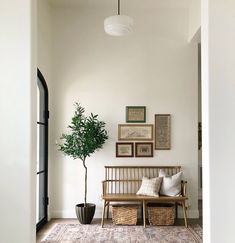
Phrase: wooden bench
pixel 122 182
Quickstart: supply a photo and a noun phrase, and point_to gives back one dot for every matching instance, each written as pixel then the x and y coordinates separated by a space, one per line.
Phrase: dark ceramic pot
pixel 86 213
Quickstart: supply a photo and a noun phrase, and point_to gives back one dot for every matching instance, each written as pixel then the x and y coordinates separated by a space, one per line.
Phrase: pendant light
pixel 118 25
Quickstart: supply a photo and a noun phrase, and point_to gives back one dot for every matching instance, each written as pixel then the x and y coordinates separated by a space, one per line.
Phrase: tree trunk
pixel 85 182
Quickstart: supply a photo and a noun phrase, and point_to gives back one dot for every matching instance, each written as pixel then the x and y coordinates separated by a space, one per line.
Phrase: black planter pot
pixel 85 214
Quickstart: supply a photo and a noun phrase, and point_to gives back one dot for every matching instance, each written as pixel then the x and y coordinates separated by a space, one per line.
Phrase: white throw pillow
pixel 150 187
pixel 171 185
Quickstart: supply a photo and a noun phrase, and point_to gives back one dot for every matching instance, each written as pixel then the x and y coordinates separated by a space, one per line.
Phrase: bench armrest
pixel 184 188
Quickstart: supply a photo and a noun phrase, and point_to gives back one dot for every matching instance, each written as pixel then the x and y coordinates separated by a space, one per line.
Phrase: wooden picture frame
pixel 140 132
pixel 124 150
pixel 143 149
pixel 162 131
pixel 135 114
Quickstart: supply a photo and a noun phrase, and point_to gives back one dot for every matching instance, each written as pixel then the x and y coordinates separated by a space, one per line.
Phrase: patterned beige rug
pixel 75 233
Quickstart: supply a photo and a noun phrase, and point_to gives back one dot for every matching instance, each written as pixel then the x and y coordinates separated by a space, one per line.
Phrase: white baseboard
pixel 191 214
pixel 98 213
pixel 63 214
pixel 49 216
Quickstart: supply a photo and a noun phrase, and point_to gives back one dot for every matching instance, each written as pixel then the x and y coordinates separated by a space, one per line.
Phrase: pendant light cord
pixel 118 7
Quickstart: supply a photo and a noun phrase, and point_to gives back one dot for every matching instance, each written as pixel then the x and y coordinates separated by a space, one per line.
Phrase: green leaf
pixel 86 135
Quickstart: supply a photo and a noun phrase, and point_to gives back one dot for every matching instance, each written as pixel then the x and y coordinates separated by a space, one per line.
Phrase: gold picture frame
pixel 139 132
pixel 162 131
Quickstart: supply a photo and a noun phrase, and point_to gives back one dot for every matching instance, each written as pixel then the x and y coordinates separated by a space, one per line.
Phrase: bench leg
pixel 103 213
pixel 107 216
pixel 185 214
pixel 176 210
pixel 144 217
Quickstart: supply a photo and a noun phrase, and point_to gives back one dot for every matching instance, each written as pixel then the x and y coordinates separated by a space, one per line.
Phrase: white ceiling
pixel 129 3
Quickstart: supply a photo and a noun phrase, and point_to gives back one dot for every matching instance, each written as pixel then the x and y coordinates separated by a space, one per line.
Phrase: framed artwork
pixel 135 132
pixel 162 131
pixel 135 114
pixel 143 149
pixel 124 150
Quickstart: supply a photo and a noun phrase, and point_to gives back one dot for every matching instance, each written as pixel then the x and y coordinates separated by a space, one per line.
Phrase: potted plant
pixel 87 134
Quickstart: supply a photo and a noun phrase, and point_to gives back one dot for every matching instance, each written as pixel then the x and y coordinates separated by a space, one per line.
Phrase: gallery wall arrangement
pixel 137 139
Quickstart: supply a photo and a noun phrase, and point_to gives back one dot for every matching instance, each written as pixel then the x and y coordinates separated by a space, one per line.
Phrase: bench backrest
pixel 127 179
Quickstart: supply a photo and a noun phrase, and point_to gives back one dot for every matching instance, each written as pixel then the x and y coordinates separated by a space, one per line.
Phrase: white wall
pixel 18 121
pixel 194 20
pixel 44 39
pixel 155 67
pixel 218 61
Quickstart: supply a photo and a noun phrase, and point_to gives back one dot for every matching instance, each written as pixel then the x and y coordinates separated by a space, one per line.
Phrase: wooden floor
pixel 44 231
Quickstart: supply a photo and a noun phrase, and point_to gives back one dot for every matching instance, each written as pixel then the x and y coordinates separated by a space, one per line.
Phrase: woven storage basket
pixel 161 214
pixel 124 214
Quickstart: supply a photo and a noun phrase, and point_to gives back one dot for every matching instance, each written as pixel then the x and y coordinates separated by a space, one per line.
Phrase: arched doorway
pixel 42 150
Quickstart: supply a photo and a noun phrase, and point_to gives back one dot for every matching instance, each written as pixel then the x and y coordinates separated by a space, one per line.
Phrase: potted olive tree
pixel 87 134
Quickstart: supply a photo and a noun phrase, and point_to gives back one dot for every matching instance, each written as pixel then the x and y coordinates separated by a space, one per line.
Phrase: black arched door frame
pixel 42 169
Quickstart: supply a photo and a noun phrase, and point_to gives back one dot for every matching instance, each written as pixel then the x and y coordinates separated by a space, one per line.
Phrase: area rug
pixel 75 233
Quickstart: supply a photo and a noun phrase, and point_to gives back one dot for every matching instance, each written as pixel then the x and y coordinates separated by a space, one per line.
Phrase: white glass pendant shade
pixel 118 25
